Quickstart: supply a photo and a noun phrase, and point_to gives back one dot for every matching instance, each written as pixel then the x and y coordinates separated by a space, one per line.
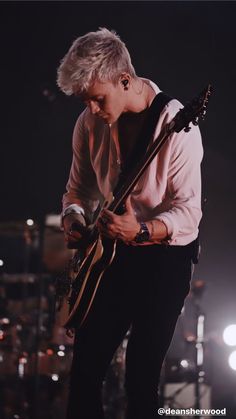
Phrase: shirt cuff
pixel 169 226
pixel 73 208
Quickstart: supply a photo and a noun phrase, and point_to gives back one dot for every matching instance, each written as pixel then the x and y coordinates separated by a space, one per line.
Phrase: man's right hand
pixel 72 236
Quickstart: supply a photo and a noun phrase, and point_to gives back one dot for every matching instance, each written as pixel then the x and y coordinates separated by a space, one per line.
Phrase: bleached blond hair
pixel 100 56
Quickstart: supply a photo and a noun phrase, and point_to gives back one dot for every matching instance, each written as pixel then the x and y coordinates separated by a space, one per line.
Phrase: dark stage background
pixel 182 46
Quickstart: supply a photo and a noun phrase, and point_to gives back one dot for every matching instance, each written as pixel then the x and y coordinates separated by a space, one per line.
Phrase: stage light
pixel 62 347
pixel 55 377
pixel 30 222
pixel 184 363
pixel 61 353
pixel 229 335
pixel 23 360
pixel 232 360
pixel 1 262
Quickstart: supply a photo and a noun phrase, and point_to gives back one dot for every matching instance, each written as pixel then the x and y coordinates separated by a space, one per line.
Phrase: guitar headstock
pixel 192 112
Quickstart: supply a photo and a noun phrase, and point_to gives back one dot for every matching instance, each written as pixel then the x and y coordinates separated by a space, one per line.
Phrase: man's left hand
pixel 123 227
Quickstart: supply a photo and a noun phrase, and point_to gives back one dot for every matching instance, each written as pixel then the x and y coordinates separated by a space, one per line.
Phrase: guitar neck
pixel 135 175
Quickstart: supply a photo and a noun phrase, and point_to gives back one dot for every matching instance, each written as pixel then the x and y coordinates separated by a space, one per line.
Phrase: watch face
pixel 141 237
pixel 143 234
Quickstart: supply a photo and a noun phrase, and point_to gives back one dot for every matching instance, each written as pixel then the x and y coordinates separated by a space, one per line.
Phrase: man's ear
pixel 125 81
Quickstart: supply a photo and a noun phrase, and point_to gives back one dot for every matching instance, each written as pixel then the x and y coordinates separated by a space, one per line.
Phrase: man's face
pixel 105 100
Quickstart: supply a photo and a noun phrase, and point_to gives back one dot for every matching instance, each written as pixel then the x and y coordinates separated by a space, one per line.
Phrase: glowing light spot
pixel 229 335
pixel 232 360
pixel 184 363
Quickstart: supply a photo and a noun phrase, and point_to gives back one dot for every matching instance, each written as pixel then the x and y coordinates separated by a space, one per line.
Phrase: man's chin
pixel 108 120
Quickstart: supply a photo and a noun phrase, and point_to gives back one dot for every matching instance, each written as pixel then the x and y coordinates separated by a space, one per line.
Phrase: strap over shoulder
pixel 154 112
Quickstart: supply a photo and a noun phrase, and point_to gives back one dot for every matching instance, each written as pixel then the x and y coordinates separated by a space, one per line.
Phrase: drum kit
pixel 35 352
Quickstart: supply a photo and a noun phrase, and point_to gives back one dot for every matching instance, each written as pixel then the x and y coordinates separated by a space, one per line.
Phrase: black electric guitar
pixel 76 292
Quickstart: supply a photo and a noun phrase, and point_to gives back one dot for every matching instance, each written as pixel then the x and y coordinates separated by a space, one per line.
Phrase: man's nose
pixel 94 107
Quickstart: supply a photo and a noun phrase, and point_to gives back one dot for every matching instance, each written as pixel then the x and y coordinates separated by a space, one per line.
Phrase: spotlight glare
pixel 232 360
pixel 229 335
pixel 184 363
pixel 30 222
pixel 1 262
pixel 62 347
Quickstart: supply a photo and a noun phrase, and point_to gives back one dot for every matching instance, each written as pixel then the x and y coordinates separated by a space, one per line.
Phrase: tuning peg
pixel 195 121
pixel 203 114
pixel 187 128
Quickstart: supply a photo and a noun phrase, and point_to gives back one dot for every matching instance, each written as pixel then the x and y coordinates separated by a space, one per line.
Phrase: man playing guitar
pixel 144 287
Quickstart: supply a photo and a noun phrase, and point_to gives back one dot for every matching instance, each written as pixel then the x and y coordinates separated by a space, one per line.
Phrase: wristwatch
pixel 143 235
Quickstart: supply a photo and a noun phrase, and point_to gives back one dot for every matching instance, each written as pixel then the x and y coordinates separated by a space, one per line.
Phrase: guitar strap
pixel 140 148
pixel 144 138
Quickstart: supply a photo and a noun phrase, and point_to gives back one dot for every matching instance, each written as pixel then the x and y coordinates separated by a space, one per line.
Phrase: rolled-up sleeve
pixel 184 185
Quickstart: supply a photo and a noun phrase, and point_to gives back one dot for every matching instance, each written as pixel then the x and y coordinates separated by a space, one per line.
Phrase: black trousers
pixel 144 288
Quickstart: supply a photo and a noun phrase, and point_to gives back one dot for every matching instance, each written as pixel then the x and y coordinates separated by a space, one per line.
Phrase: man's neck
pixel 140 97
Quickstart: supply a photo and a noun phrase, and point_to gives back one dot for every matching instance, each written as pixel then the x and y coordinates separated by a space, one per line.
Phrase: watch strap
pixel 143 234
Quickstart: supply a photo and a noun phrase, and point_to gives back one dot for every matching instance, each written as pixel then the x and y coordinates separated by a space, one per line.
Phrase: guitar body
pixel 77 302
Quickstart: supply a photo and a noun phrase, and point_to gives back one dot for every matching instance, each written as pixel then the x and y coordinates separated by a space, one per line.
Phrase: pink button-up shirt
pixel 169 190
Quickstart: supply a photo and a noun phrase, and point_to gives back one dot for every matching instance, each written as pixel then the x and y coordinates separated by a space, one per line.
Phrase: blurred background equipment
pixel 35 353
